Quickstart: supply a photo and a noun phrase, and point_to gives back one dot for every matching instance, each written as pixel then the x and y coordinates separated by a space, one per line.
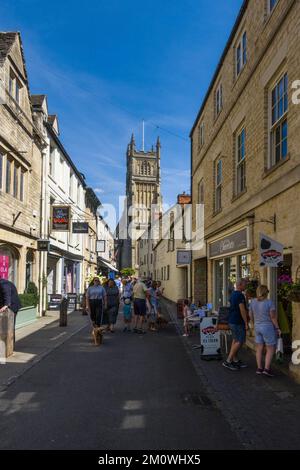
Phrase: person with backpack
pixel 9 298
pixel 238 324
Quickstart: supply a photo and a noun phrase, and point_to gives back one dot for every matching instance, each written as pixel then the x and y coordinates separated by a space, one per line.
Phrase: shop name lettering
pixel 226 245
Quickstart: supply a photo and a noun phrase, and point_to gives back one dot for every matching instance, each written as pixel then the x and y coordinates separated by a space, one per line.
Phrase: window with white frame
pixel 241 54
pixel 279 121
pixel 52 161
pixel 71 181
pixel 218 185
pixel 272 4
pixel 219 99
pixel 240 161
pixel 201 135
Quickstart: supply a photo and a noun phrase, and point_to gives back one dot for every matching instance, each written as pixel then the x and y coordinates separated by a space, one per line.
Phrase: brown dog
pixel 97 335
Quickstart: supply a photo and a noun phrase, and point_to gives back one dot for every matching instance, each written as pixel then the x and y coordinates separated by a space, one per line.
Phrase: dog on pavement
pixel 97 335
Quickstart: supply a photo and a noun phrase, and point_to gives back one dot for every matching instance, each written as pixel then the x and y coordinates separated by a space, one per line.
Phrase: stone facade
pixel 253 130
pixel 21 144
pixel 142 191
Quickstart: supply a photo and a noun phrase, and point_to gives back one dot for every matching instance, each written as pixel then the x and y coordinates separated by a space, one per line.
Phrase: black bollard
pixel 63 310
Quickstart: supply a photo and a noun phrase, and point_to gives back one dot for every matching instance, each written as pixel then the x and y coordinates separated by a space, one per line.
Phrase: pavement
pixel 137 392
pixel 264 412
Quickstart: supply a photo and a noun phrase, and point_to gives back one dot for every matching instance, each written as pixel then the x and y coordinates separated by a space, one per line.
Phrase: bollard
pixel 63 309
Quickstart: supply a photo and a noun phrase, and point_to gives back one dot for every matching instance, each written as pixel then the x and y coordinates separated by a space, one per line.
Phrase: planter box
pixel 26 316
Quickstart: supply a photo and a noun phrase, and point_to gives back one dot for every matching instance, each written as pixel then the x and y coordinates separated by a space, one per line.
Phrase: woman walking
pixel 262 312
pixel 113 302
pixel 96 302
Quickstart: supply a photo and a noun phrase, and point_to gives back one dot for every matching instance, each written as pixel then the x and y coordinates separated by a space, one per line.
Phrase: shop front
pixel 229 258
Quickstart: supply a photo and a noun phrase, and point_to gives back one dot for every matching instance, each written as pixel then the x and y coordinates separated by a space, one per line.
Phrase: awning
pixel 108 265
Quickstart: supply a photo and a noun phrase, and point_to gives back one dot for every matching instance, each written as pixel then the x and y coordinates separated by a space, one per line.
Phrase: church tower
pixel 143 190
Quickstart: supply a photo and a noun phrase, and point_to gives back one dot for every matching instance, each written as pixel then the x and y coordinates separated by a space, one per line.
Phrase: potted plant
pixel 252 285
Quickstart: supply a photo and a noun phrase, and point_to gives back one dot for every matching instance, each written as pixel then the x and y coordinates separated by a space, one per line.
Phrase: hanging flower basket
pixel 294 294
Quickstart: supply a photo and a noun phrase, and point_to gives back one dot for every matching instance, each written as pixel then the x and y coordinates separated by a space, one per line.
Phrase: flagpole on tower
pixel 143 141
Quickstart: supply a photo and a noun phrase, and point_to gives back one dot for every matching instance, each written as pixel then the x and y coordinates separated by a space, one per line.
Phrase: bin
pixel 63 312
pixel 7 327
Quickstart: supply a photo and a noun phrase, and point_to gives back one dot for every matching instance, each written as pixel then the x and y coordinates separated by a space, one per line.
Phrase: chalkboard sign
pixel 72 301
pixel 54 302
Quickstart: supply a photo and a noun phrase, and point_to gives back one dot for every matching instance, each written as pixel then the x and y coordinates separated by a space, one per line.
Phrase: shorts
pixel 265 333
pixel 238 332
pixel 140 307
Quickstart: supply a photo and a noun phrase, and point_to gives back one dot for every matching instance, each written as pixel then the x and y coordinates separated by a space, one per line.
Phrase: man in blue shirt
pixel 238 323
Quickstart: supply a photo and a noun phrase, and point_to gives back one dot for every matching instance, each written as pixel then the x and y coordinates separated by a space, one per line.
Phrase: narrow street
pixel 134 392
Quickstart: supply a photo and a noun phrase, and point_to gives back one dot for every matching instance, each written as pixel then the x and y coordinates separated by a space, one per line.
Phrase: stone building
pixel 21 144
pixel 72 256
pixel 245 152
pixel 164 252
pixel 142 192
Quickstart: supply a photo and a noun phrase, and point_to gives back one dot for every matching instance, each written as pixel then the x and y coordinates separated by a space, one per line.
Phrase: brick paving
pixel 264 412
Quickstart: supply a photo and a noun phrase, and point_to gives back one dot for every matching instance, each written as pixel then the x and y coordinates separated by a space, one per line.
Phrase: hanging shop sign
pixel 235 242
pixel 80 227
pixel 100 246
pixel 271 252
pixel 43 245
pixel 183 257
pixel 60 218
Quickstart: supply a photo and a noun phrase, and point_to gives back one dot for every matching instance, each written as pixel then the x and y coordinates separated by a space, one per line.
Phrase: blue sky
pixel 108 64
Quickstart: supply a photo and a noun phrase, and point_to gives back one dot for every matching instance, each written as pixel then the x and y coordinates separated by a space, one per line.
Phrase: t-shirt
pixel 261 309
pixel 140 290
pixel 153 296
pixel 235 317
pixel 96 292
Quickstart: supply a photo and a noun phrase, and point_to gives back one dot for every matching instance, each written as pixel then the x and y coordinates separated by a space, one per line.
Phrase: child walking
pixel 127 312
pixel 186 313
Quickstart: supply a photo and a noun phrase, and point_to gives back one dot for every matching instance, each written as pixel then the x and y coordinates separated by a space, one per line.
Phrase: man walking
pixel 238 323
pixel 140 292
pixel 9 298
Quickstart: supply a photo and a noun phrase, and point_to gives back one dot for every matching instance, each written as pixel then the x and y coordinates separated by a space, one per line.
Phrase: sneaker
pixel 185 335
pixel 268 373
pixel 259 371
pixel 141 332
pixel 230 365
pixel 240 364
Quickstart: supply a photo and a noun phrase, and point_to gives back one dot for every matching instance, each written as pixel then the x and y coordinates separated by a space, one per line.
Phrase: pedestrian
pixel 160 293
pixel 9 298
pixel 153 306
pixel 127 290
pixel 127 312
pixel 238 323
pixel 96 302
pixel 113 303
pixel 263 314
pixel 186 314
pixel 140 293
